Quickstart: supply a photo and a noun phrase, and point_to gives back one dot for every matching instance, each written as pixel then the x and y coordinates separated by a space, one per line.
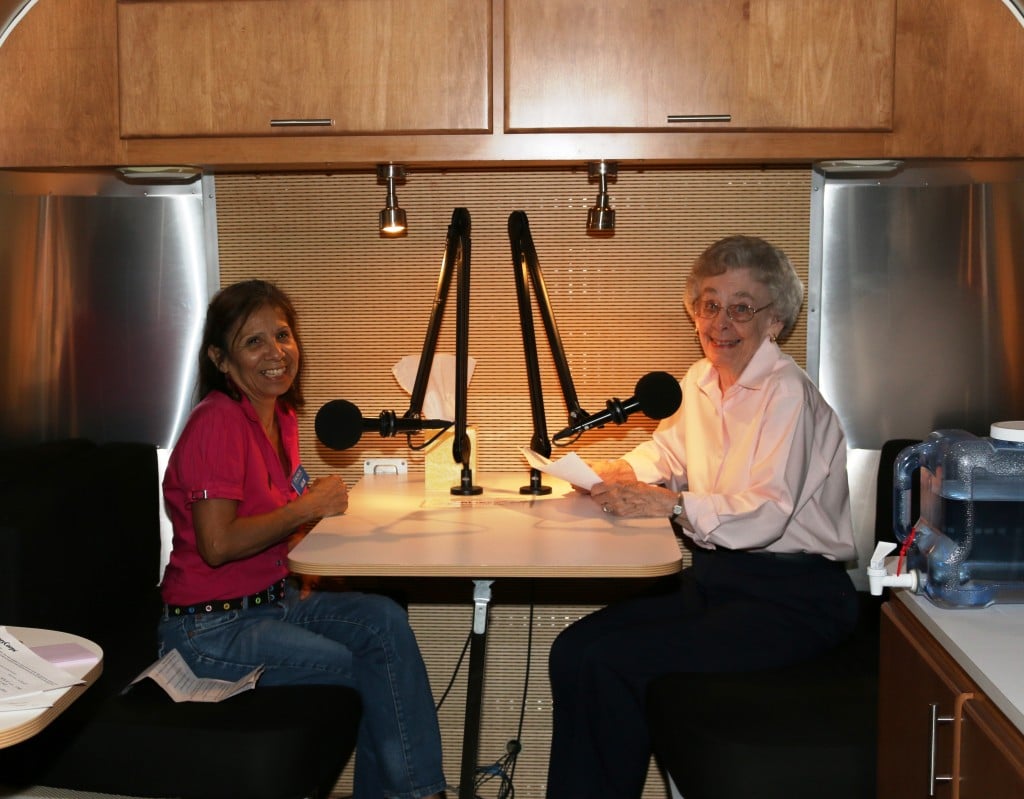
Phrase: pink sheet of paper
pixel 65 654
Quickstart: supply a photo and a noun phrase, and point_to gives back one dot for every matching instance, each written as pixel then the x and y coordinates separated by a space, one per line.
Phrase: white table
pixel 395 528
pixel 17 725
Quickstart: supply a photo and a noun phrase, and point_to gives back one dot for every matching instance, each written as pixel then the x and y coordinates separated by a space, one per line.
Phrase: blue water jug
pixel 968 544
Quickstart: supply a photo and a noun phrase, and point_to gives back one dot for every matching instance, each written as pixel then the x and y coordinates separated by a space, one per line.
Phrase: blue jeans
pixel 339 638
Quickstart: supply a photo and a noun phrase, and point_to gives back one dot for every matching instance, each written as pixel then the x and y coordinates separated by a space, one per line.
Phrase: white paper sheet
pixel 27 680
pixel 172 674
pixel 571 468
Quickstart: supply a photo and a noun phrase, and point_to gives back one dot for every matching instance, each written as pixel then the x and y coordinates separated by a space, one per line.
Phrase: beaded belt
pixel 268 596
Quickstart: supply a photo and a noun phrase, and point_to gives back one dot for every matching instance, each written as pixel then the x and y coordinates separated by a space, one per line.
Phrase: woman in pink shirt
pixel 752 472
pixel 235 491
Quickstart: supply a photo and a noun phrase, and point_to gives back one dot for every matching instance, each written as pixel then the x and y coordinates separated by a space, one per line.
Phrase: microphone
pixel 657 394
pixel 340 424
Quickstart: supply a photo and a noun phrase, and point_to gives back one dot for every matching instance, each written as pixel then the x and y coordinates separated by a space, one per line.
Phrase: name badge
pixel 300 480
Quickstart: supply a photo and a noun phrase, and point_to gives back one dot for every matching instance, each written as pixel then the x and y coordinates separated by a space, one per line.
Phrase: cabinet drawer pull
pixel 302 123
pixel 699 118
pixel 936 720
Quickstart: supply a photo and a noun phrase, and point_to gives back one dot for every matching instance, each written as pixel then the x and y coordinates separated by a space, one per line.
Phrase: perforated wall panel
pixel 364 303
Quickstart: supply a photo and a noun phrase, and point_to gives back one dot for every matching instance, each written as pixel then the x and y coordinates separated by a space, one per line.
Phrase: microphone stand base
pixel 535 486
pixel 466 487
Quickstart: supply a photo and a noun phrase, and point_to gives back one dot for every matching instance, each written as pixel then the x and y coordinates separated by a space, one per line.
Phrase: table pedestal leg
pixel 474 689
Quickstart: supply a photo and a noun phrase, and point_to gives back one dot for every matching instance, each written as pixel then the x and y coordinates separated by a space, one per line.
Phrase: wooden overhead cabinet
pixel 498 82
pixel 281 67
pixel 738 64
pixel 58 81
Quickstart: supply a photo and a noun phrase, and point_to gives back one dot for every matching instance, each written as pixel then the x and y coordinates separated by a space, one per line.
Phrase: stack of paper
pixel 28 680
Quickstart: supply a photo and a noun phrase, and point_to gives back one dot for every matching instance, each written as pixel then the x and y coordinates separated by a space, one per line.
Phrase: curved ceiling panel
pixel 11 13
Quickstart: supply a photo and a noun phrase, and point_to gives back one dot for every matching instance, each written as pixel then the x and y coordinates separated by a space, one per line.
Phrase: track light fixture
pixel 601 217
pixel 392 218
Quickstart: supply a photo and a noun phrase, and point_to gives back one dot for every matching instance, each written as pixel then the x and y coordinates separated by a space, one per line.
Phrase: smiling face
pixel 729 344
pixel 262 358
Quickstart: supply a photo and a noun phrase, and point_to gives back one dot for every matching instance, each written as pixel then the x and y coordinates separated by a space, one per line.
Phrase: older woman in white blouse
pixel 752 470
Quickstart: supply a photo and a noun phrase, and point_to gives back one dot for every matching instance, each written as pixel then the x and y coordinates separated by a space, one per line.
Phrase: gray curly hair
pixel 768 264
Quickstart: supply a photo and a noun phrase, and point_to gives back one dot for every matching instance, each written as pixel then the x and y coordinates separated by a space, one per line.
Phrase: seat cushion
pixel 269 743
pixel 80 547
pixel 80 552
pixel 807 730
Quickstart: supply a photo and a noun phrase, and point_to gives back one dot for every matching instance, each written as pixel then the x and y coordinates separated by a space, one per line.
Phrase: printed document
pixel 172 674
pixel 27 680
pixel 572 468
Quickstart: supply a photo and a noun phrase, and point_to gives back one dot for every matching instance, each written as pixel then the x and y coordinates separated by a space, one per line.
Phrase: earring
pixel 772 338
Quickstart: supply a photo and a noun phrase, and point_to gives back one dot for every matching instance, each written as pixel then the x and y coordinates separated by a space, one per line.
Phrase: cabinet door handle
pixel 302 123
pixel 936 720
pixel 699 118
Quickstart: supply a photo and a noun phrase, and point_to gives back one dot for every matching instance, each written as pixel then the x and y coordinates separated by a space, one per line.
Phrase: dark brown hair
pixel 228 310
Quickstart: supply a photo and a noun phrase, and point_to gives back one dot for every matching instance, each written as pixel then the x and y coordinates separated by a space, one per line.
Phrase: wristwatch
pixel 678 508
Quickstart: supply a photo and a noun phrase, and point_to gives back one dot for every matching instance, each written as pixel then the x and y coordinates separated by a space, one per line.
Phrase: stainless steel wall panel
pixel 917 281
pixel 105 283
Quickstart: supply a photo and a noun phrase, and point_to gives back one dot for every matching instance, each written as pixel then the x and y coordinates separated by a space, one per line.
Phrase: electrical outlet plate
pixel 385 466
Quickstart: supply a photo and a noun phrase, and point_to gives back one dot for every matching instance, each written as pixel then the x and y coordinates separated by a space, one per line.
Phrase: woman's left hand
pixel 328 495
pixel 634 499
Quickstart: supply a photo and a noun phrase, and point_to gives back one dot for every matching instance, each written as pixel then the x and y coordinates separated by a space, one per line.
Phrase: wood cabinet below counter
pixel 940 732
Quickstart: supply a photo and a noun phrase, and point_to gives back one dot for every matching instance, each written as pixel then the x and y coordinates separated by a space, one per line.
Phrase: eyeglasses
pixel 740 312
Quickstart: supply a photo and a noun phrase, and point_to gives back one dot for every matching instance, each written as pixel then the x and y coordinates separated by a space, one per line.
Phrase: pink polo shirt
pixel 223 453
pixel 763 465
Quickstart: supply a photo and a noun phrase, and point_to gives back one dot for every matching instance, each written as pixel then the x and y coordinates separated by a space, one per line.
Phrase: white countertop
pixel 987 643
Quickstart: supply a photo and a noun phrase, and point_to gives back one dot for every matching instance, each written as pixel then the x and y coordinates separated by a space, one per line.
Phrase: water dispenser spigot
pixel 880 577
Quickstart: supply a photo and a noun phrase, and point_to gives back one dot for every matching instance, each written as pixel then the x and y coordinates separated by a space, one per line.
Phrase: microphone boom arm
pixel 454 262
pixel 444 282
pixel 461 445
pixel 527 267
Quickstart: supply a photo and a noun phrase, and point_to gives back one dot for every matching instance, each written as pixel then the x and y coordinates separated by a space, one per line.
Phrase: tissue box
pixel 441 472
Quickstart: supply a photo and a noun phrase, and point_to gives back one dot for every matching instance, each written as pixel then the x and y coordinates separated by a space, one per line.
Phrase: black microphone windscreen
pixel 658 394
pixel 339 424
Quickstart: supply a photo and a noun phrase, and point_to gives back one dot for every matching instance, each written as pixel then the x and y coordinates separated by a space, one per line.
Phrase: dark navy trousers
pixel 731 611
